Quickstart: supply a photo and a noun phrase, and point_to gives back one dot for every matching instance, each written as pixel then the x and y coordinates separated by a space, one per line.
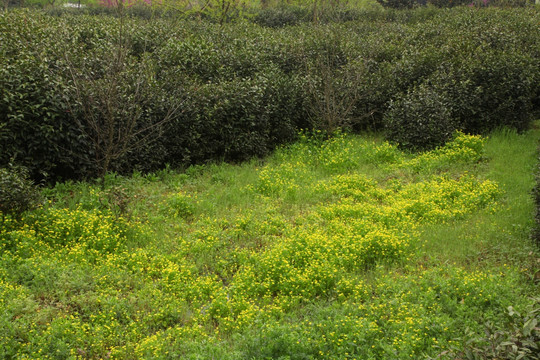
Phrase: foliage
pixel 237 91
pixel 85 233
pixel 467 89
pixel 275 17
pixel 31 112
pixel 399 4
pixel 112 107
pixel 17 192
pixel 420 120
pixel 450 3
pixel 521 341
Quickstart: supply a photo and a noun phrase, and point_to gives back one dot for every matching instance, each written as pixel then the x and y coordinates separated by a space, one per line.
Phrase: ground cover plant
pixel 341 248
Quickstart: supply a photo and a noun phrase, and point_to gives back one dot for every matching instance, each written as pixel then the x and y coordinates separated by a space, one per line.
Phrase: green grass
pixel 510 161
pixel 342 248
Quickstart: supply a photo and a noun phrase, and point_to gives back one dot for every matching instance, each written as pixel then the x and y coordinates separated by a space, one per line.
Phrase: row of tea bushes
pixel 81 95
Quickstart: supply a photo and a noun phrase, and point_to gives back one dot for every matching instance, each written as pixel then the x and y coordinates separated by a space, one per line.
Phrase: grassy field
pixel 340 248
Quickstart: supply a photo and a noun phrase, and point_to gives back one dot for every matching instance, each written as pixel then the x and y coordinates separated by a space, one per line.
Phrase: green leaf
pixel 529 326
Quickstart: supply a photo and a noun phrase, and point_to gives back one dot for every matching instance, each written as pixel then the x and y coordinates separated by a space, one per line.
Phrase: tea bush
pixel 479 102
pixel 399 4
pixel 275 17
pixel 17 192
pixel 420 120
pixel 239 90
pixel 35 128
pixel 449 3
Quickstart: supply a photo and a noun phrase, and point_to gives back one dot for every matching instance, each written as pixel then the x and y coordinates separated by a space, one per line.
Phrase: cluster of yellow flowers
pixel 70 232
pixel 464 148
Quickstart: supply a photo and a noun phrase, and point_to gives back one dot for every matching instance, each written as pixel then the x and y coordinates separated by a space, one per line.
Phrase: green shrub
pixel 239 90
pixel 420 119
pixel 17 192
pixel 235 120
pixel 342 15
pixel 197 57
pixel 490 90
pixel 398 4
pixel 504 3
pixel 449 3
pixel 280 16
pixel 520 339
pixel 35 127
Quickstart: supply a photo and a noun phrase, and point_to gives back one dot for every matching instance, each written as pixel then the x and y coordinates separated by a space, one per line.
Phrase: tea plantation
pixel 358 187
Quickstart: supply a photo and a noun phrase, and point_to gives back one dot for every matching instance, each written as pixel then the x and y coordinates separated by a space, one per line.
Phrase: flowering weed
pixel 318 254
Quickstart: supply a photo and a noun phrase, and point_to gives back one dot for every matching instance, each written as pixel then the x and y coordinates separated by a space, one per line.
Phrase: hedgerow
pixel 70 82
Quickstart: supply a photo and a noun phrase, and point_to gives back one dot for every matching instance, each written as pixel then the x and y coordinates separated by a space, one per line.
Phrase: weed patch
pixel 328 249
